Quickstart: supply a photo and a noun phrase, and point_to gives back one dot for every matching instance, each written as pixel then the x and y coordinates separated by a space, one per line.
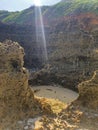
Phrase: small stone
pixel 86 114
pixel 29 123
pixel 32 126
pixel 20 122
pixel 96 115
pixel 26 128
pixel 31 120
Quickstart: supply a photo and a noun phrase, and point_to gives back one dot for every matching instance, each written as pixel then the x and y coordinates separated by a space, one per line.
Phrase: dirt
pixel 55 92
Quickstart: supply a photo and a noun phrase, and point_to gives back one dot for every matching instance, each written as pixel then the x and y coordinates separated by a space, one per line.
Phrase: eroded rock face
pixel 88 92
pixel 15 95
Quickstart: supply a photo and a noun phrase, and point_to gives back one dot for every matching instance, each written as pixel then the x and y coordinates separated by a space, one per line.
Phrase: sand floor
pixel 55 92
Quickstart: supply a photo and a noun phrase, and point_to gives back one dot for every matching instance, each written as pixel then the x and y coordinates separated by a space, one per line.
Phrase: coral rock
pixel 15 95
pixel 88 92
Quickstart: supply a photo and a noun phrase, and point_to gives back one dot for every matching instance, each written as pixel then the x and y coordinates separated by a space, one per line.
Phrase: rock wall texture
pixel 16 98
pixel 72 45
pixel 88 92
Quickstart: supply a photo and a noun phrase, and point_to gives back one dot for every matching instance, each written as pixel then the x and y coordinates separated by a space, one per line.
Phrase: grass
pixel 66 8
pixel 4 14
pixel 58 10
pixel 11 17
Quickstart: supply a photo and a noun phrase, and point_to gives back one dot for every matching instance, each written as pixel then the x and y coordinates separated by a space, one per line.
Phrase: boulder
pixel 16 98
pixel 88 92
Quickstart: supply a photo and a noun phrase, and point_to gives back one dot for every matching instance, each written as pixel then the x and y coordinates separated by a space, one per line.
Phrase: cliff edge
pixel 16 98
pixel 88 92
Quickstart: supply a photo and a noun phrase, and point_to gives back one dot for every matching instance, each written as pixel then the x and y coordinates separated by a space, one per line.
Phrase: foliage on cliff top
pixel 63 8
pixel 20 17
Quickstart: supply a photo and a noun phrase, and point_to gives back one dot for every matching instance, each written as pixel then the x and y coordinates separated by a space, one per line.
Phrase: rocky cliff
pixel 81 113
pixel 17 101
pixel 88 92
pixel 72 50
pixel 71 32
pixel 16 98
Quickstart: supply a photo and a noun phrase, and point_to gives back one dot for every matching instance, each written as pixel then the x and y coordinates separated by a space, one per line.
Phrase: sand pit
pixel 55 92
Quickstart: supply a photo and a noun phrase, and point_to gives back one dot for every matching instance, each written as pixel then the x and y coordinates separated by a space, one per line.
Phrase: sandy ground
pixel 55 92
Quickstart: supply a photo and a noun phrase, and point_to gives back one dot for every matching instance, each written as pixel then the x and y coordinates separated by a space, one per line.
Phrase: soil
pixel 55 92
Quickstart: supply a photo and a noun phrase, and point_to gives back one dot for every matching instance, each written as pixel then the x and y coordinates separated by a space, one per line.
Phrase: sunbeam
pixel 37 2
pixel 40 34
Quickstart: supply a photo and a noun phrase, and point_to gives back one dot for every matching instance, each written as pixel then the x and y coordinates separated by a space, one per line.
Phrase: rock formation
pixel 71 32
pixel 88 92
pixel 16 98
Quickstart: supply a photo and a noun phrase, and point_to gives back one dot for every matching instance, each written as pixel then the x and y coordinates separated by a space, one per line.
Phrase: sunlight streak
pixel 37 2
pixel 40 35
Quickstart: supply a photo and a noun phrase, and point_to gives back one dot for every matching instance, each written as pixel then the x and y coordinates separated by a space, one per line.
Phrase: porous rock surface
pixel 88 92
pixel 16 98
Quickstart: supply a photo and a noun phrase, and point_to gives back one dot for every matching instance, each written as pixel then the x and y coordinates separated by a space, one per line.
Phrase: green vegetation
pixel 74 7
pixel 83 6
pixel 63 8
pixel 11 17
pixel 4 14
pixel 23 17
pixel 18 17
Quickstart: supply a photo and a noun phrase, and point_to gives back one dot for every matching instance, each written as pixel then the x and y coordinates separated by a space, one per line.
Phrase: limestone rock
pixel 88 92
pixel 16 98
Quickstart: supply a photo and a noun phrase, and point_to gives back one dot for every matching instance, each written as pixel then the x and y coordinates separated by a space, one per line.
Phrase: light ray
pixel 40 35
pixel 37 2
